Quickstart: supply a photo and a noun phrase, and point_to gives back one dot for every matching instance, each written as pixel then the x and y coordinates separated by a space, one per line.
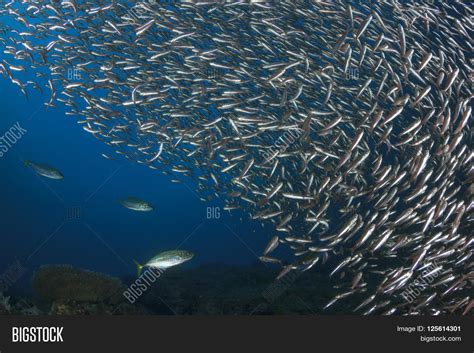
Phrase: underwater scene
pixel 236 157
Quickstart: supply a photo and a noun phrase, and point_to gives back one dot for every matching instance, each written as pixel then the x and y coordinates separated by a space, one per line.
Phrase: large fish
pixel 44 170
pixel 136 204
pixel 166 259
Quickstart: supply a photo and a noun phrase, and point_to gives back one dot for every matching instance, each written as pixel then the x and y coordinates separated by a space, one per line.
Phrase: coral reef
pixel 206 290
pixel 66 283
pixel 75 308
pixel 228 290
pixel 74 291
pixel 9 306
pixel 5 307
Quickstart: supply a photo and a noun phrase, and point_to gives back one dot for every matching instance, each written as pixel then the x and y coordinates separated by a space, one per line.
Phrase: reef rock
pixel 65 283
pixel 5 307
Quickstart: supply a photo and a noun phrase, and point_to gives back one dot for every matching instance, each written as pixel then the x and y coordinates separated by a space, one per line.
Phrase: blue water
pixel 78 220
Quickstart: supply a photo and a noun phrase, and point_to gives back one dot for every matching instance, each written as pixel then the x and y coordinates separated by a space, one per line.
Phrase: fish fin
pixel 139 268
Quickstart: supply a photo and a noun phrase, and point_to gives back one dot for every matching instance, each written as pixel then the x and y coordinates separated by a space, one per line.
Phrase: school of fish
pixel 347 125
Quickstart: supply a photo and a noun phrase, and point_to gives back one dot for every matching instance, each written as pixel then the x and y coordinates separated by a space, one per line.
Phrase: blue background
pixel 106 237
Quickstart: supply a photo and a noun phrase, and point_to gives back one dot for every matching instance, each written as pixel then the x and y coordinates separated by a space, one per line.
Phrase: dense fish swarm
pixel 346 125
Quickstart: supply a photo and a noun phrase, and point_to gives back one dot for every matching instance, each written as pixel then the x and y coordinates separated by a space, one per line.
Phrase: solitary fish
pixel 136 204
pixel 166 259
pixel 45 170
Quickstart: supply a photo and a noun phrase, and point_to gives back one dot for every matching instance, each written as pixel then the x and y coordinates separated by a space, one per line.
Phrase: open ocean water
pixel 79 221
pixel 54 231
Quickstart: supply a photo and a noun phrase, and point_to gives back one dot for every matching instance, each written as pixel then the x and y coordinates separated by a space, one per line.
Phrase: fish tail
pixel 26 163
pixel 139 267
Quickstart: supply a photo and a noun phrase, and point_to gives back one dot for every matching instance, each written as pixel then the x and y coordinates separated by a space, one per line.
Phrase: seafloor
pixel 207 290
